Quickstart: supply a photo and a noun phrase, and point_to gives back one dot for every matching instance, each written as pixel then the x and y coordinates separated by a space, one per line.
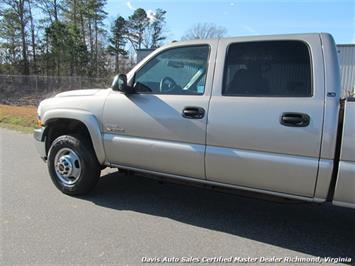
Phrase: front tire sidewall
pixel 90 170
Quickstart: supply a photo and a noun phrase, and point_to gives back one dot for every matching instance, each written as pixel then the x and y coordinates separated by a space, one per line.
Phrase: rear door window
pixel 268 69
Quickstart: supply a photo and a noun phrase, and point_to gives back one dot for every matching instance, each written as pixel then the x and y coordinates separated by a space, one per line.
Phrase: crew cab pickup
pixel 262 113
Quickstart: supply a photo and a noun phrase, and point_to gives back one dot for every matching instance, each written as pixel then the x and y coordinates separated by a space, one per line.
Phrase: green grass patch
pixel 20 118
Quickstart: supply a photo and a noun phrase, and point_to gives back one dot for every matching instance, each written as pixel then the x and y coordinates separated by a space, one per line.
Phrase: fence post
pixel 37 84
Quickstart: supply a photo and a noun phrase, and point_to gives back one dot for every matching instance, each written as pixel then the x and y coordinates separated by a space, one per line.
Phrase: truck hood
pixel 88 100
pixel 89 92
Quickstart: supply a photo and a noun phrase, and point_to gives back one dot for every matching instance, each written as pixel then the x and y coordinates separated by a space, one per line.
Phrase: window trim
pixel 171 48
pixel 269 96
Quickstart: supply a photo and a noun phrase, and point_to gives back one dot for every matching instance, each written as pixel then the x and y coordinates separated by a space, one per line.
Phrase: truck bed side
pixel 344 194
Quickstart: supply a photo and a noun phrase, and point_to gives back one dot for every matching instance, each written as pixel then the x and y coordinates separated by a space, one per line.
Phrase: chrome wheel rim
pixel 67 166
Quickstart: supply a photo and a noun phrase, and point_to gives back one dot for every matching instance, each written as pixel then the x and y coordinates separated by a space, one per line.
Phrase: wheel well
pixel 64 126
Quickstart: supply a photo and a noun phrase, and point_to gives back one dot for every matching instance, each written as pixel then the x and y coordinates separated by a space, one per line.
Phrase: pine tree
pixel 95 15
pixel 117 40
pixel 18 8
pixel 33 36
pixel 11 36
pixel 68 37
pixel 137 24
pixel 157 28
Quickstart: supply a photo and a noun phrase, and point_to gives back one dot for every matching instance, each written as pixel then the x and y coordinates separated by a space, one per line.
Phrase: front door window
pixel 179 71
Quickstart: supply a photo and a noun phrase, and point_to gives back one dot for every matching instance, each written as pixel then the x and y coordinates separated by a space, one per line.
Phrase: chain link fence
pixel 30 90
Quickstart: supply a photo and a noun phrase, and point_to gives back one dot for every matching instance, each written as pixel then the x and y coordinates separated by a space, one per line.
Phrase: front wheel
pixel 72 165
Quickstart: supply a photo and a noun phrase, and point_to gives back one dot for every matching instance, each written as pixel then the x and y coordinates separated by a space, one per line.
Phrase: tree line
pixel 69 37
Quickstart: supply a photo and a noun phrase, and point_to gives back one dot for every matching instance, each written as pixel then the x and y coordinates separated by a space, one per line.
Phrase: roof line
pixel 346 44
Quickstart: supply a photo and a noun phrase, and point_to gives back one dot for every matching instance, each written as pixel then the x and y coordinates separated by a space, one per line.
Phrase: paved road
pixel 129 217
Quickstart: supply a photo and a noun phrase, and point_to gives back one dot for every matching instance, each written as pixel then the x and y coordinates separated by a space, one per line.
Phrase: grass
pixel 20 118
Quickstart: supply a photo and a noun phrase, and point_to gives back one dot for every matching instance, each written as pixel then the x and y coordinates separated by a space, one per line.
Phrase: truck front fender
pixel 88 119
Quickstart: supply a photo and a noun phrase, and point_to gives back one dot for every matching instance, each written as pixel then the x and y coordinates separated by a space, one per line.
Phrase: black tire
pixel 86 162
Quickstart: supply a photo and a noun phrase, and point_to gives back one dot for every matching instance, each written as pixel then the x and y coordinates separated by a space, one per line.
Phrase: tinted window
pixel 175 71
pixel 268 68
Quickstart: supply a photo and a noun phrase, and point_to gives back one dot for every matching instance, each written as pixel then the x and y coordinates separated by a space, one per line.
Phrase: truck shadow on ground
pixel 318 230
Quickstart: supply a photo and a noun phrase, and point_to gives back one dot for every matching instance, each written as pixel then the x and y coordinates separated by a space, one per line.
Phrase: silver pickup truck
pixel 263 113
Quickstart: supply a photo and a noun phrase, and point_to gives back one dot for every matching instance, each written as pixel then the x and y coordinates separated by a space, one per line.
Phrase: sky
pixel 249 17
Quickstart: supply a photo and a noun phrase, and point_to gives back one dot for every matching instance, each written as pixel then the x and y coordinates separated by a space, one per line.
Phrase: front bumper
pixel 40 142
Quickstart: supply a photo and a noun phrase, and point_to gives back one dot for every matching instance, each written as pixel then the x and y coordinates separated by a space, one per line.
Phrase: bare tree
pixel 204 31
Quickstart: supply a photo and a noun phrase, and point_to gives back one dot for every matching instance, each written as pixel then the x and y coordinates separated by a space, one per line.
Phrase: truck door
pixel 162 127
pixel 266 114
